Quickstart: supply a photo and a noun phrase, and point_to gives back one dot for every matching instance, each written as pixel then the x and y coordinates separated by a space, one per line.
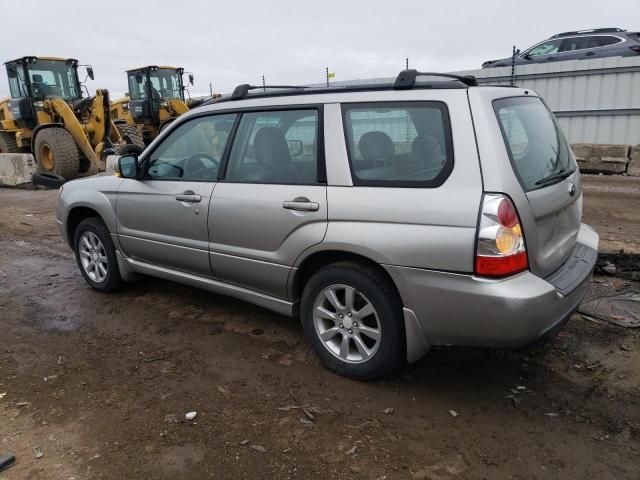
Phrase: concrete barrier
pixel 634 162
pixel 112 163
pixel 608 159
pixel 16 168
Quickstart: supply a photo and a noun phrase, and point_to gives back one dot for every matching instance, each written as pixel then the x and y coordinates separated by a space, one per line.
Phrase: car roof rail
pixel 406 79
pixel 591 30
pixel 241 91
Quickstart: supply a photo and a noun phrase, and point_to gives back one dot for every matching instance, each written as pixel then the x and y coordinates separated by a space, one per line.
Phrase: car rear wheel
pixel 352 317
pixel 96 255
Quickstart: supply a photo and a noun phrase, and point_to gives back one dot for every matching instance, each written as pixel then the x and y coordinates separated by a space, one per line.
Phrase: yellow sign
pixel 331 75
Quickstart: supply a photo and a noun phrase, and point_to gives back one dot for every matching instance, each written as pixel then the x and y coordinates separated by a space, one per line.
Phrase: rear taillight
pixel 500 250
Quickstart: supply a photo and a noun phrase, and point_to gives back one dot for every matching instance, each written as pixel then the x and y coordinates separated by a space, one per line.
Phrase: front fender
pixel 97 193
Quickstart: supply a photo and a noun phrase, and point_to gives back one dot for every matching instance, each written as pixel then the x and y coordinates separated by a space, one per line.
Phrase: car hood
pixel 102 182
pixel 502 62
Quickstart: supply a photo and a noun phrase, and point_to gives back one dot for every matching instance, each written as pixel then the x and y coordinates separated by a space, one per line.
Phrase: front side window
pixel 165 84
pixel 536 145
pixel 546 48
pixel 53 79
pixel 192 151
pixel 276 147
pixel 403 144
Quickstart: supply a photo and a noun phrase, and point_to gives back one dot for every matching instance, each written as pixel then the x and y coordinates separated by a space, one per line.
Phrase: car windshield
pixel 165 84
pixel 53 79
pixel 536 145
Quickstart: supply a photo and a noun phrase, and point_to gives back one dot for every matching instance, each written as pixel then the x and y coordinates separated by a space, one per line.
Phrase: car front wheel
pixel 352 317
pixel 96 255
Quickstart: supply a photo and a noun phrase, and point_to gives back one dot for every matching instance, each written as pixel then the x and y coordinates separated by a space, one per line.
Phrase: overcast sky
pixel 227 43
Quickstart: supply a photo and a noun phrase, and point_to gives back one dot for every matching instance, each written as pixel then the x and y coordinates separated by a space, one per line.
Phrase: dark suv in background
pixel 579 45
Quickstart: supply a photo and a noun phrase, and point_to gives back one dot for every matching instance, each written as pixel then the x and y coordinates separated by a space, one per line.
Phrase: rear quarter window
pixel 536 145
pixel 404 144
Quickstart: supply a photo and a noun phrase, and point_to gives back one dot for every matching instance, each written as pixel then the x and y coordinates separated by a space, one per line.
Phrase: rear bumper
pixel 458 309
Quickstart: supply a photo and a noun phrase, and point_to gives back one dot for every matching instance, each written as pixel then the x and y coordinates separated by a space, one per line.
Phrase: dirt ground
pixel 101 384
pixel 611 205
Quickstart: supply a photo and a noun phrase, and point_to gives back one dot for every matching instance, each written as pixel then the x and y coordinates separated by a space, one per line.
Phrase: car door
pixel 271 204
pixel 162 218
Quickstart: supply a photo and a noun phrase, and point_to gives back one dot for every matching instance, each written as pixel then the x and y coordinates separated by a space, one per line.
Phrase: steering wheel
pixel 194 166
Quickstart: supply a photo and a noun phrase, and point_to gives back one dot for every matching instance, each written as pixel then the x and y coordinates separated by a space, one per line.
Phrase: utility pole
pixel 327 73
pixel 264 85
pixel 210 90
pixel 407 63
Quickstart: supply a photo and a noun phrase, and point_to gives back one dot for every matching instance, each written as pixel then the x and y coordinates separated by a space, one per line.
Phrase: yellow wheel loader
pixel 156 97
pixel 69 134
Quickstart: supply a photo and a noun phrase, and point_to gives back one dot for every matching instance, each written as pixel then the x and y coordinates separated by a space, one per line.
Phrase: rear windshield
pixel 535 142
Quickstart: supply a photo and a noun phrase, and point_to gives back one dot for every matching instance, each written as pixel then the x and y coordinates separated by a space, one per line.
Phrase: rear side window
pixel 536 144
pixel 580 43
pixel 276 147
pixel 607 40
pixel 405 144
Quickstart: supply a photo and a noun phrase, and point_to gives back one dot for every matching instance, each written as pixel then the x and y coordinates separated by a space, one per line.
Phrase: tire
pixel 131 134
pixel 107 280
pixel 384 355
pixel 129 149
pixel 56 152
pixel 8 143
pixel 49 180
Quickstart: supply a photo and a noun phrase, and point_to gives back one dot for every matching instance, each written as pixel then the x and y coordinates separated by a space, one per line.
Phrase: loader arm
pixel 177 106
pixel 73 126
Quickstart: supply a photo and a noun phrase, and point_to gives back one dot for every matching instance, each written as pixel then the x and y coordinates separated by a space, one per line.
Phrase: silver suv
pixel 389 218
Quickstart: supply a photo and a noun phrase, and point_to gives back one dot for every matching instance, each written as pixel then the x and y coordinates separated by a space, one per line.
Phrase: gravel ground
pixel 101 384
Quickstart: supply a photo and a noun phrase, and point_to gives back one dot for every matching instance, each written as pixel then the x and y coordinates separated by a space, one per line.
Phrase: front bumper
pixel 459 309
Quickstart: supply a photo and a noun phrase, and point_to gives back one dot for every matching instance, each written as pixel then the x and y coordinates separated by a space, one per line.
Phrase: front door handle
pixel 590 54
pixel 189 196
pixel 301 204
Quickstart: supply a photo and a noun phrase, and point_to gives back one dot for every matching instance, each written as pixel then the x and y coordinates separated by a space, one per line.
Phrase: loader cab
pixel 150 89
pixel 32 80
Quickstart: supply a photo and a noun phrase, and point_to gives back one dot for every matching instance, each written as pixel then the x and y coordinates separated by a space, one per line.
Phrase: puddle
pixel 60 323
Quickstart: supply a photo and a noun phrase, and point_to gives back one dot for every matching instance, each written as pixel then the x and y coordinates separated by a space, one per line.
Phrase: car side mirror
pixel 90 72
pixel 527 56
pixel 191 79
pixel 295 147
pixel 128 166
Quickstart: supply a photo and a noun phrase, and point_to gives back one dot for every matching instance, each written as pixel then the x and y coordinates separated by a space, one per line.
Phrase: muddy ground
pixel 101 383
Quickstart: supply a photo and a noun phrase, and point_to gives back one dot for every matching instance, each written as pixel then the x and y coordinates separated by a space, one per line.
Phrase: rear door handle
pixel 301 204
pixel 590 54
pixel 188 196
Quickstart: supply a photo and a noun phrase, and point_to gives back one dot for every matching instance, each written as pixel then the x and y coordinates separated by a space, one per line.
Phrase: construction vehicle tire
pixel 56 152
pixel 8 143
pixel 49 180
pixel 131 134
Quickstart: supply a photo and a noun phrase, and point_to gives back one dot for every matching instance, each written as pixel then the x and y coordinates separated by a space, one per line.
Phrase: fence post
pixel 513 66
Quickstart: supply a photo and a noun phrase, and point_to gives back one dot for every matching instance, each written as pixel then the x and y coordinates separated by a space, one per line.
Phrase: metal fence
pixel 596 101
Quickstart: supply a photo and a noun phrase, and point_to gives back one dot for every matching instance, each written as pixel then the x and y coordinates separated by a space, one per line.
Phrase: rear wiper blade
pixel 564 173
